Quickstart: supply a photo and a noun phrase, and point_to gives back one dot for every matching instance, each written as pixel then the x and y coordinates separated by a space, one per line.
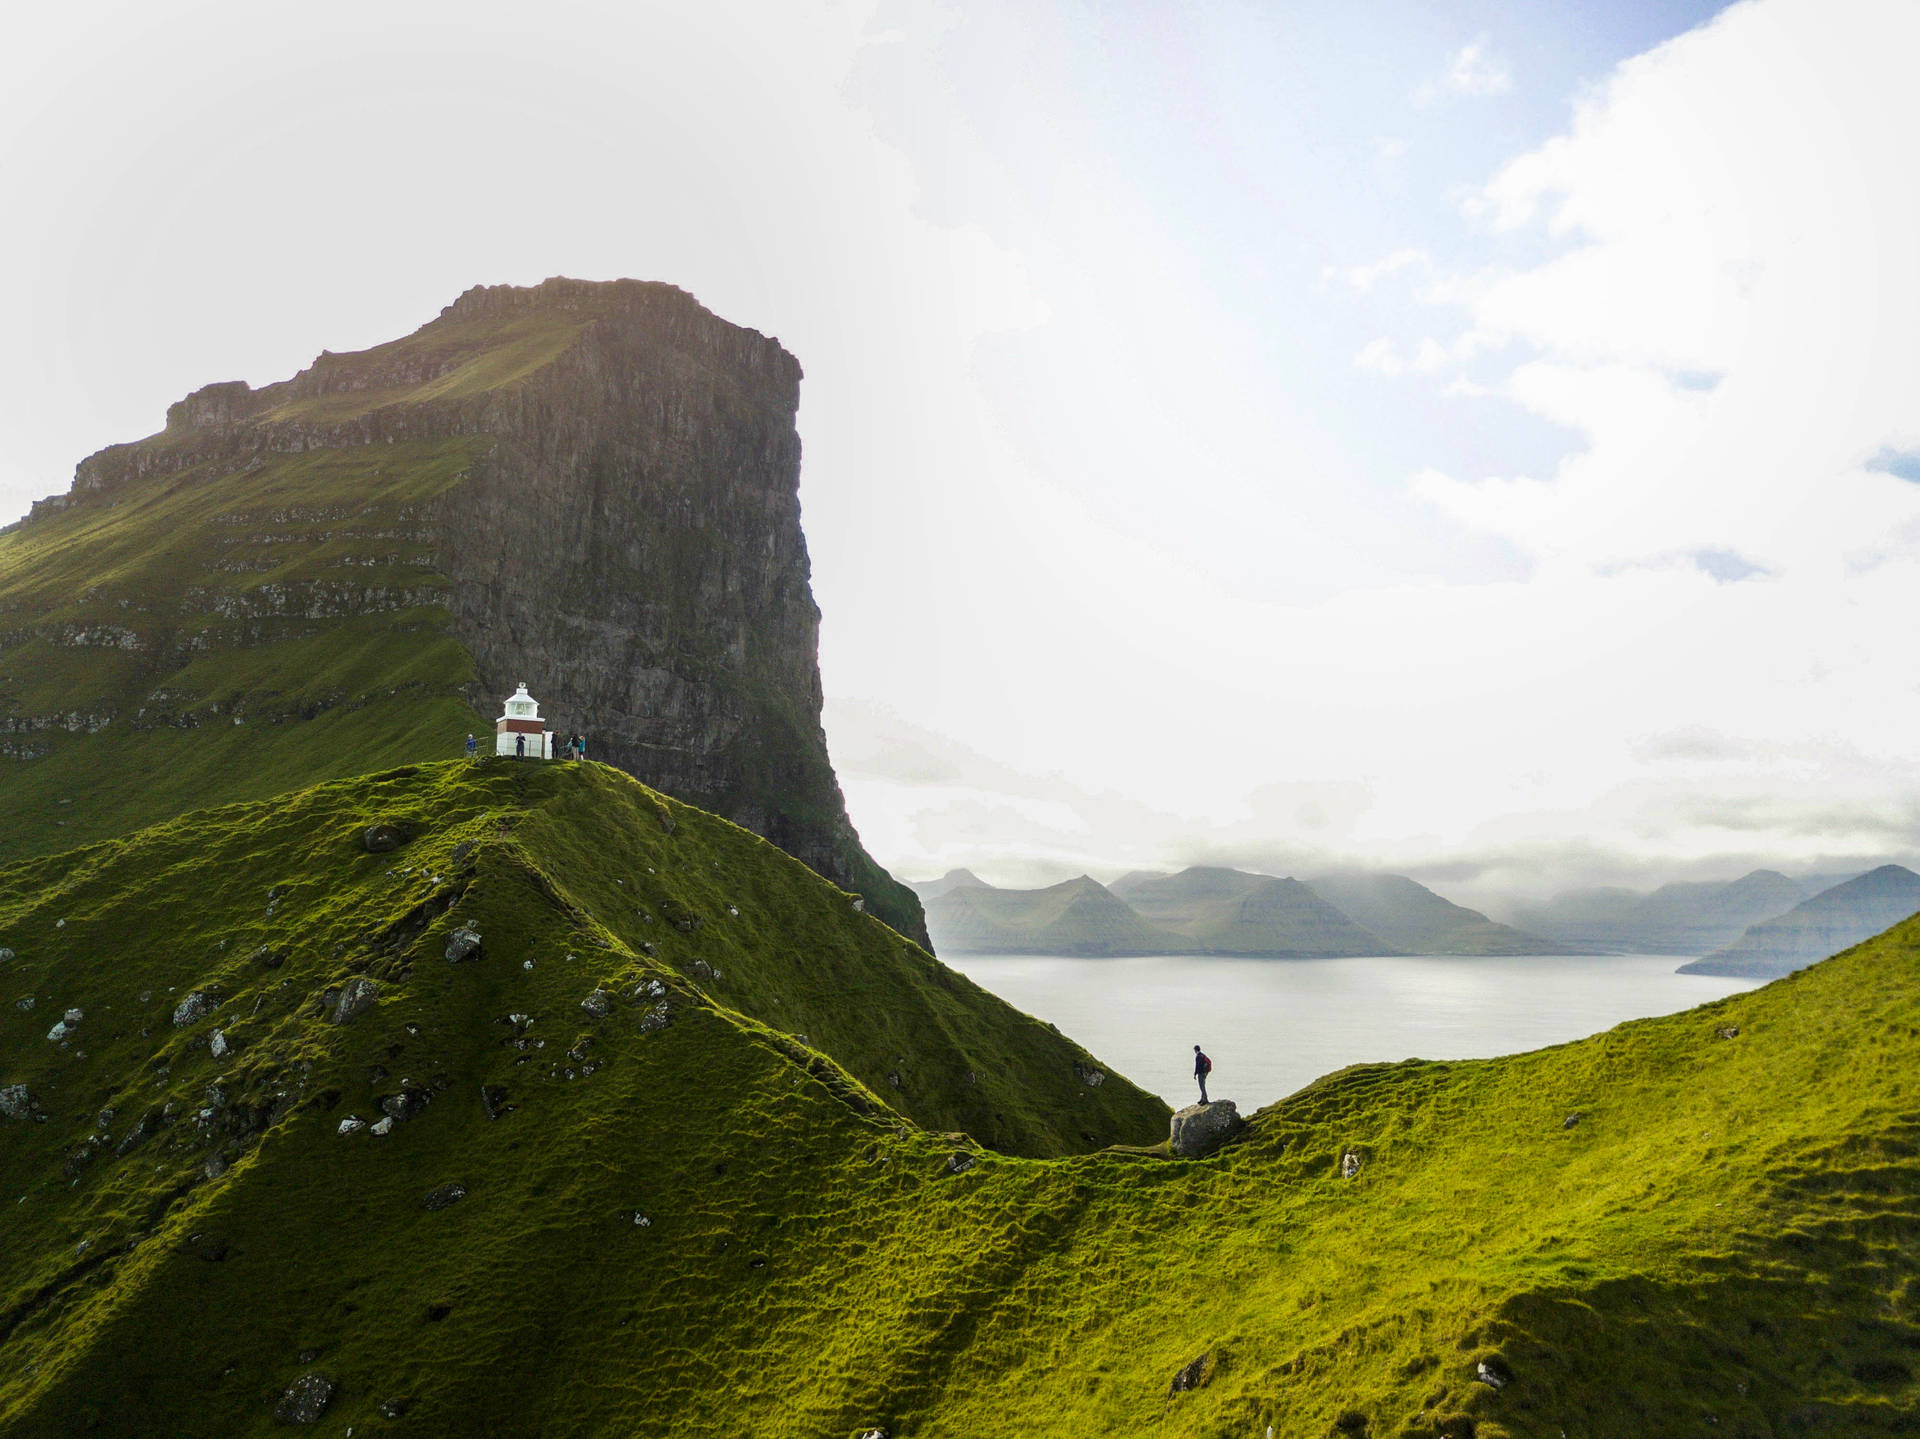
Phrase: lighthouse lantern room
pixel 521 722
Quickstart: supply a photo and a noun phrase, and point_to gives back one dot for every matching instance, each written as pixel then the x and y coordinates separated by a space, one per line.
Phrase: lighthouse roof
pixel 520 705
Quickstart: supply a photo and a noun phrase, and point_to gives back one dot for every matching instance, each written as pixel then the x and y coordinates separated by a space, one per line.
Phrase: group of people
pixel 574 746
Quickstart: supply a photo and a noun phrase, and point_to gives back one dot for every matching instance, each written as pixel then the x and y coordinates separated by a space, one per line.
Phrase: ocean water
pixel 1273 1025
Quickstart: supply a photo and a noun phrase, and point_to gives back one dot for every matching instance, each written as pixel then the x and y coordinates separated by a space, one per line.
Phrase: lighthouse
pixel 521 719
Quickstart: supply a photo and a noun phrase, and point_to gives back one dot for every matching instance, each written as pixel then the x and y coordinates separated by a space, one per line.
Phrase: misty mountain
pixel 953 879
pixel 1693 917
pixel 1080 917
pixel 1412 917
pixel 1831 921
pixel 1227 911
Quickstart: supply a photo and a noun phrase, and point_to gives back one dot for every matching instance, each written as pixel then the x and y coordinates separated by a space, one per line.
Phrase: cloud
pixel 1473 70
pixel 1901 464
pixel 1364 277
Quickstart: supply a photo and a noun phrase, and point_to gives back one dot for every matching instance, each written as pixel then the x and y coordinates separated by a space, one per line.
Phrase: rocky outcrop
pixel 1199 1129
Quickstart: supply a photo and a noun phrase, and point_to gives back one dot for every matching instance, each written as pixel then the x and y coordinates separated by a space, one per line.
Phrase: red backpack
pixel 1206 1065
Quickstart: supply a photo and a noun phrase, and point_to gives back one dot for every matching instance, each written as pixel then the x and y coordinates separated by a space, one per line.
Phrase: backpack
pixel 1206 1065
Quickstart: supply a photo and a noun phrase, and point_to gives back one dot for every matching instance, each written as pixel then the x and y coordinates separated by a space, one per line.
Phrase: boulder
pixel 16 1102
pixel 1727 1031
pixel 6 955
pixel 357 996
pixel 1191 1376
pixel 382 1127
pixel 599 1004
pixel 218 1045
pixel 657 1018
pixel 196 1006
pixel 381 838
pixel 1349 1165
pixel 352 1124
pixel 443 1195
pixel 1201 1128
pixel 463 944
pixel 304 1400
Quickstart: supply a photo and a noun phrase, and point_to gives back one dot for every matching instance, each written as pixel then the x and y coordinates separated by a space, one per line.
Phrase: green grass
pixel 1724 1242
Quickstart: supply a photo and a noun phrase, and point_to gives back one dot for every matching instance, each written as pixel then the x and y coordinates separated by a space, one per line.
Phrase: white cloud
pixel 1474 70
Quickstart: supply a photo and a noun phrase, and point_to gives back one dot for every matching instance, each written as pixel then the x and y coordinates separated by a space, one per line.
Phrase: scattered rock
pixel 16 1102
pixel 1727 1031
pixel 1349 1165
pixel 859 905
pixel 493 1099
pixel 1192 1376
pixel 1572 1119
pixel 657 1018
pixel 703 971
pixel 404 1105
pixel 642 1220
pixel 381 838
pixel 73 1017
pixel 24 1004
pixel 267 957
pixel 382 1127
pixel 305 1400
pixel 1201 1128
pixel 214 1167
pixel 874 1434
pixel 59 1031
pixel 196 1006
pixel 352 1124
pixel 357 996
pixel 6 956
pixel 599 1004
pixel 396 1407
pixel 218 1045
pixel 1493 1372
pixel 443 1195
pixel 1088 1075
pixel 461 851
pixel 463 944
pixel 959 1162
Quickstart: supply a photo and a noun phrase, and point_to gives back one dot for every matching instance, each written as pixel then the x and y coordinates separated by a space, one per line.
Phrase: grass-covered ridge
pixel 1721 1241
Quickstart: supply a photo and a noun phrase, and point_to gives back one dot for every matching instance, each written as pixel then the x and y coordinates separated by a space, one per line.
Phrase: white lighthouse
pixel 520 723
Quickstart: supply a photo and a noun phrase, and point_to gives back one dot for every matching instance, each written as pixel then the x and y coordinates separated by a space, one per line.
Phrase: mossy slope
pixel 1722 1242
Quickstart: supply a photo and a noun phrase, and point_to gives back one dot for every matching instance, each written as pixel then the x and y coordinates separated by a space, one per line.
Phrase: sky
pixel 1474 440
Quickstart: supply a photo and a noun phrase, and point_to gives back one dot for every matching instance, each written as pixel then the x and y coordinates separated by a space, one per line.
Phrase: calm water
pixel 1273 1025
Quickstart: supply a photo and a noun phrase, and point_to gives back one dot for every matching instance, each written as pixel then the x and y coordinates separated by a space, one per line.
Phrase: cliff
pixel 592 488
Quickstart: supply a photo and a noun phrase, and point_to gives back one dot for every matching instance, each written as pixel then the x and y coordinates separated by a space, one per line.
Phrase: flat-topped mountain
pixel 1826 924
pixel 1411 917
pixel 1227 911
pixel 592 488
pixel 1689 917
pixel 1079 917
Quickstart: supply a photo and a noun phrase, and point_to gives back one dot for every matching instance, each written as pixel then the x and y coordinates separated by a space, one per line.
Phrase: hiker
pixel 473 747
pixel 579 746
pixel 1202 1067
pixel 520 752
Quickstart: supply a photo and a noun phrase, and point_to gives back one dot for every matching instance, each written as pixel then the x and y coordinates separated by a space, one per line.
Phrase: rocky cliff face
pixel 619 528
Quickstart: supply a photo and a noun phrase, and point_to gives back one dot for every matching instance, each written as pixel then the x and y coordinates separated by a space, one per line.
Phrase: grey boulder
pixel 16 1101
pixel 1201 1128
pixel 463 944
pixel 196 1007
pixel 357 996
pixel 443 1195
pixel 304 1400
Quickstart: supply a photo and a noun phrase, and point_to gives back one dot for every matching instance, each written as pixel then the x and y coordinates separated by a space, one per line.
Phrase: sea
pixel 1272 1026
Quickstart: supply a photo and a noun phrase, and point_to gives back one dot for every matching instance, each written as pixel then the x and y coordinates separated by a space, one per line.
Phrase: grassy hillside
pixel 1079 917
pixel 1830 921
pixel 1226 911
pixel 1411 917
pixel 1702 1224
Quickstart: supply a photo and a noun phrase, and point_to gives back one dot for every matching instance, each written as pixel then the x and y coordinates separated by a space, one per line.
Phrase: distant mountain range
pixel 1208 910
pixel 1685 918
pixel 1835 919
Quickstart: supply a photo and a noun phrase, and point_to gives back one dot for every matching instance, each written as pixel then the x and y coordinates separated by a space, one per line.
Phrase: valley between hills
pixel 350 1087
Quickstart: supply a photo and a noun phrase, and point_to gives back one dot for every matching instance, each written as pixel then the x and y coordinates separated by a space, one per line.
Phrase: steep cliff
pixel 592 488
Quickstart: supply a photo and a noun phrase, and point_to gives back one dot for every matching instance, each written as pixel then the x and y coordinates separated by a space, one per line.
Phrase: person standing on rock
pixel 1202 1067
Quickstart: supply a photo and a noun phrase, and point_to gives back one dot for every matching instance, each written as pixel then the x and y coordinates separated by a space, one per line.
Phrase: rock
pixel 959 1162
pixel 1727 1031
pixel 599 1004
pixel 382 1127
pixel 196 1006
pixel 352 1124
pixel 304 1400
pixel 214 1167
pixel 443 1195
pixel 357 996
pixel 73 1017
pixel 1493 1372
pixel 16 1102
pixel 1572 1119
pixel 1088 1075
pixel 1201 1128
pixel 463 944
pixel 874 1434
pixel 648 990
pixel 1349 1165
pixel 396 1407
pixel 703 971
pixel 59 1030
pixel 1192 1376
pixel 404 1105
pixel 218 1045
pixel 859 905
pixel 656 1018
pixel 381 838
pixel 6 956
pixel 24 1004
pixel 267 957
pixel 493 1099
pixel 461 851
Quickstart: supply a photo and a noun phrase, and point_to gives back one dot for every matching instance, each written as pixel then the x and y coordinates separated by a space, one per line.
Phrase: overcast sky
pixel 1478 439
